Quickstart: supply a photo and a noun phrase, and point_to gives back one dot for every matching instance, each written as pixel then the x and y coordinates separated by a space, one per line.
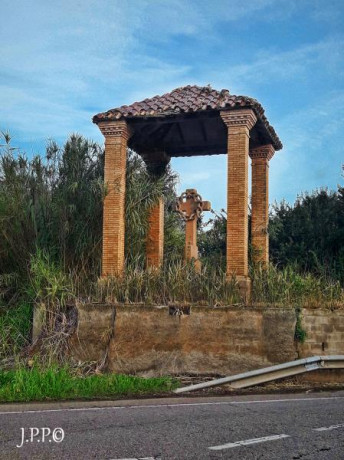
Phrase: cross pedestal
pixel 190 206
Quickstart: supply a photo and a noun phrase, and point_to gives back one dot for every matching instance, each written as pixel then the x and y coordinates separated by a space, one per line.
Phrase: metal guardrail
pixel 267 374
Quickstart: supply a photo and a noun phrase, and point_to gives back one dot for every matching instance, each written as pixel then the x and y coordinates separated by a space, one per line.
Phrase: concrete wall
pixel 325 332
pixel 220 340
pixel 324 336
pixel 96 324
pixel 224 340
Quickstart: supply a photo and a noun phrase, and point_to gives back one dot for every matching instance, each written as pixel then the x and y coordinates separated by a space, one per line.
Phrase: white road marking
pixel 248 442
pixel 326 428
pixel 153 406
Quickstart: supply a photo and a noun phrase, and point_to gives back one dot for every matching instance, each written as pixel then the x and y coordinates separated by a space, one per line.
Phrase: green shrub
pixel 300 333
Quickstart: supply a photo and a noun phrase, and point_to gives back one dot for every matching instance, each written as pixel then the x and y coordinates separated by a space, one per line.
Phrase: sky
pixel 62 62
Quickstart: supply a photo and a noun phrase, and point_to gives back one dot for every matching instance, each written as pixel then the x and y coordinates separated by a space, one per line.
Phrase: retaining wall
pixel 224 340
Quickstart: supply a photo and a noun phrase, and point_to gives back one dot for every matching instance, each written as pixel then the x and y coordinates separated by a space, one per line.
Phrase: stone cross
pixel 190 206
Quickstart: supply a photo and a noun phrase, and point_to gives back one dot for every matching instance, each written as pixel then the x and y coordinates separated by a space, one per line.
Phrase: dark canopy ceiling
pixel 187 122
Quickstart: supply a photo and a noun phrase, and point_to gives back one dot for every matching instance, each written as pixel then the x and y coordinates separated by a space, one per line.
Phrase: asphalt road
pixel 307 426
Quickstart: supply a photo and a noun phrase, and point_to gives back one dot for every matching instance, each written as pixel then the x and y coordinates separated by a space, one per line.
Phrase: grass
pixel 180 282
pixel 15 327
pixel 55 383
pixel 289 287
pixel 176 282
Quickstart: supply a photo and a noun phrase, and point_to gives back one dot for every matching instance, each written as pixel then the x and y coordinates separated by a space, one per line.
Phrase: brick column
pixel 156 162
pixel 239 122
pixel 116 136
pixel 260 202
pixel 155 236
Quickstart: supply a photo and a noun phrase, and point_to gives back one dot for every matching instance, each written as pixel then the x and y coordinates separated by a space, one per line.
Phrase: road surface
pixel 304 426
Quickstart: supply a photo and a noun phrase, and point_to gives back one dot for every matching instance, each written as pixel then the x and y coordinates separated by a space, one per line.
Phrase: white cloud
pixel 327 12
pixel 71 57
pixel 312 153
pixel 169 17
pixel 311 127
pixel 296 63
pixel 63 61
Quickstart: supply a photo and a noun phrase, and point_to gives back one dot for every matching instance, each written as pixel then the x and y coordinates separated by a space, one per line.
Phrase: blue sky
pixel 62 62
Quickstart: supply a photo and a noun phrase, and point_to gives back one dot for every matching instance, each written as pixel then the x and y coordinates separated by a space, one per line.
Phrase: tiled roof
pixel 188 99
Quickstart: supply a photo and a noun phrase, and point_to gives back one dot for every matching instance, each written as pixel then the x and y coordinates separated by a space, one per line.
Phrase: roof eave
pixel 256 107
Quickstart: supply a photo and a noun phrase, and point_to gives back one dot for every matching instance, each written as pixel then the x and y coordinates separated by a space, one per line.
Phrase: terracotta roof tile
pixel 188 99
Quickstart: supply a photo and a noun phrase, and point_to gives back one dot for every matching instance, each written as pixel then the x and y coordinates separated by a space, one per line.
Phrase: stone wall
pixel 324 336
pixel 209 340
pixel 222 341
pixel 95 330
pixel 148 340
pixel 324 332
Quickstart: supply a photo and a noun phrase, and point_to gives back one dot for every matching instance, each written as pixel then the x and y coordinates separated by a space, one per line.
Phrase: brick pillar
pixel 116 137
pixel 155 236
pixel 156 162
pixel 239 122
pixel 260 202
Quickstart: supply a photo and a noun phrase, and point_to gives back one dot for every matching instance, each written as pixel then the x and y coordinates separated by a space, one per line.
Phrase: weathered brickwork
pixel 182 135
pixel 238 123
pixel 260 202
pixel 116 136
pixel 155 236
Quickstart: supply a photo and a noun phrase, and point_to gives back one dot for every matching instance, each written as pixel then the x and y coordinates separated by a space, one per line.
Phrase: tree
pixel 54 205
pixel 310 234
